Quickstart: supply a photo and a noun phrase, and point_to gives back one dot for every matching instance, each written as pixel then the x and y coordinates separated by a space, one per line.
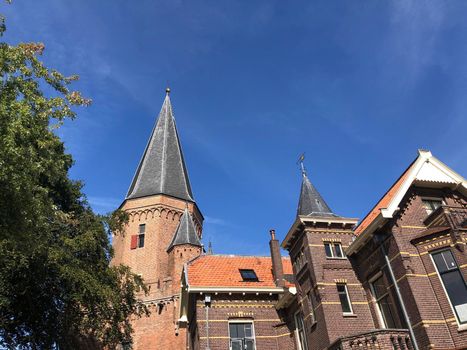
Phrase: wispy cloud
pixel 416 28
pixel 104 204
pixel 215 221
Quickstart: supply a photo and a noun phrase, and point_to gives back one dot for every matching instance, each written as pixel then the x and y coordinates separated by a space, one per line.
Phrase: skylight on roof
pixel 248 275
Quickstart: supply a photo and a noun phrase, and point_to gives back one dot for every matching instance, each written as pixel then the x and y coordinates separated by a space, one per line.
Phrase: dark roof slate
pixel 186 232
pixel 311 203
pixel 162 168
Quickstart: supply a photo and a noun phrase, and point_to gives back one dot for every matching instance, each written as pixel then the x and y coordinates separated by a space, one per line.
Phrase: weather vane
pixel 300 162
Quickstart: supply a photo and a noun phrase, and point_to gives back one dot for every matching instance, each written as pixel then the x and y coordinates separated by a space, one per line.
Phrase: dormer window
pixel 248 275
pixel 431 204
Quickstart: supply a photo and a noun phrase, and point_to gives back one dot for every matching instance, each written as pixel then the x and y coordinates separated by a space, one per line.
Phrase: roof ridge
pixel 385 194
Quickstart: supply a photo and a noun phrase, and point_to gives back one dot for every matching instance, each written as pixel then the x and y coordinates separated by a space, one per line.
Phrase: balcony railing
pixel 450 216
pixel 397 339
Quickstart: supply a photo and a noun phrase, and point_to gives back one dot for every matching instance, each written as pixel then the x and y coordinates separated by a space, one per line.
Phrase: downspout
pixel 379 239
pixel 207 302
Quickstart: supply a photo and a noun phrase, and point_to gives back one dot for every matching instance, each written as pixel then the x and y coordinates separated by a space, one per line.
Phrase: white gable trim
pixel 426 169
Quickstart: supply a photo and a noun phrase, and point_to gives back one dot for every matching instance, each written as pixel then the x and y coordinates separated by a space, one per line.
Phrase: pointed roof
pixel 186 232
pixel 162 168
pixel 311 203
pixel 425 170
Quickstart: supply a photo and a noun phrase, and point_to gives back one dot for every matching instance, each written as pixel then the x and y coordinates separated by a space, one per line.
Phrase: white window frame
pixel 459 324
pixel 297 334
pixel 242 321
pixel 331 245
pixel 348 298
pixel 381 322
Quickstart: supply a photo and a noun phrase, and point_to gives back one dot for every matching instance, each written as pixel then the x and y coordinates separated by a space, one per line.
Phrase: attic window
pixel 248 275
pixel 431 204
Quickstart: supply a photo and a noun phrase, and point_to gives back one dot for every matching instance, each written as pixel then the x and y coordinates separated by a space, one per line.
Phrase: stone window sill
pixel 349 315
pixel 462 327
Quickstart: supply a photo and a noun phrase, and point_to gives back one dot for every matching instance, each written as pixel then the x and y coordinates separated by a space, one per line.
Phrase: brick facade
pixel 427 304
pixel 160 269
pixel 270 330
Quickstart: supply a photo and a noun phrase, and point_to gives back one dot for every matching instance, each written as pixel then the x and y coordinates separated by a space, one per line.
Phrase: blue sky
pixel 357 86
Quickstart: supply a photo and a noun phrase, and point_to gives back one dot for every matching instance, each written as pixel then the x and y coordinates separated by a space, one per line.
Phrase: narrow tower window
pixel 142 231
pixel 137 241
pixel 344 298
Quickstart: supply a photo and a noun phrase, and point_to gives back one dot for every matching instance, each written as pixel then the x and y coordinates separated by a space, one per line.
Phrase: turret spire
pixel 186 232
pixel 162 168
pixel 310 202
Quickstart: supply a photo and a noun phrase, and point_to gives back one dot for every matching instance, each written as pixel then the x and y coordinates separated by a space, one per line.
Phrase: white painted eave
pixel 274 290
pixel 426 171
pixel 303 220
pixel 286 298
pixel 291 232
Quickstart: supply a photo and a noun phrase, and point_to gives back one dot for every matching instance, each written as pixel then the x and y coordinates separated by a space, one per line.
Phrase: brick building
pixel 396 280
pixel 230 301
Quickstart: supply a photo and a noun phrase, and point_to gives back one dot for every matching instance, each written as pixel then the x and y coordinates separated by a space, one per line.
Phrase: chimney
pixel 276 258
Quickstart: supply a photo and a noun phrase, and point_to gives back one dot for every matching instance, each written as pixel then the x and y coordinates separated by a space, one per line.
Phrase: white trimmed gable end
pixel 427 171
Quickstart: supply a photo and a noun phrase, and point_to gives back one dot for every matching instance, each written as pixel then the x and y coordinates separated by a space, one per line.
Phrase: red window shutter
pixel 134 241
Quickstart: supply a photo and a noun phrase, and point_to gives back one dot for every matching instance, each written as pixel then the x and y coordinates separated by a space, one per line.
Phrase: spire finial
pixel 167 90
pixel 300 162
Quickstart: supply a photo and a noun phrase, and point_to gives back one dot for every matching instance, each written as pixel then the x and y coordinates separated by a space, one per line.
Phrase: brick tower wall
pixel 317 280
pixel 160 270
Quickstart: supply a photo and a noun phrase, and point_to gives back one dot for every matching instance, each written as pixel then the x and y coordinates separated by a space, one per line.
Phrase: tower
pixel 330 297
pixel 162 234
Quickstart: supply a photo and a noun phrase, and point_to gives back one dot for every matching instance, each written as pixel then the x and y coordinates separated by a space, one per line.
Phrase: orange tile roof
pixel 383 202
pixel 223 271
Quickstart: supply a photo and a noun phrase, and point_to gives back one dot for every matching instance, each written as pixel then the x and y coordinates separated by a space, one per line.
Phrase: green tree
pixel 57 288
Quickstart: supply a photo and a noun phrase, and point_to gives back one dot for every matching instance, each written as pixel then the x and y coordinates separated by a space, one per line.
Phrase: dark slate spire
pixel 186 232
pixel 162 169
pixel 311 203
